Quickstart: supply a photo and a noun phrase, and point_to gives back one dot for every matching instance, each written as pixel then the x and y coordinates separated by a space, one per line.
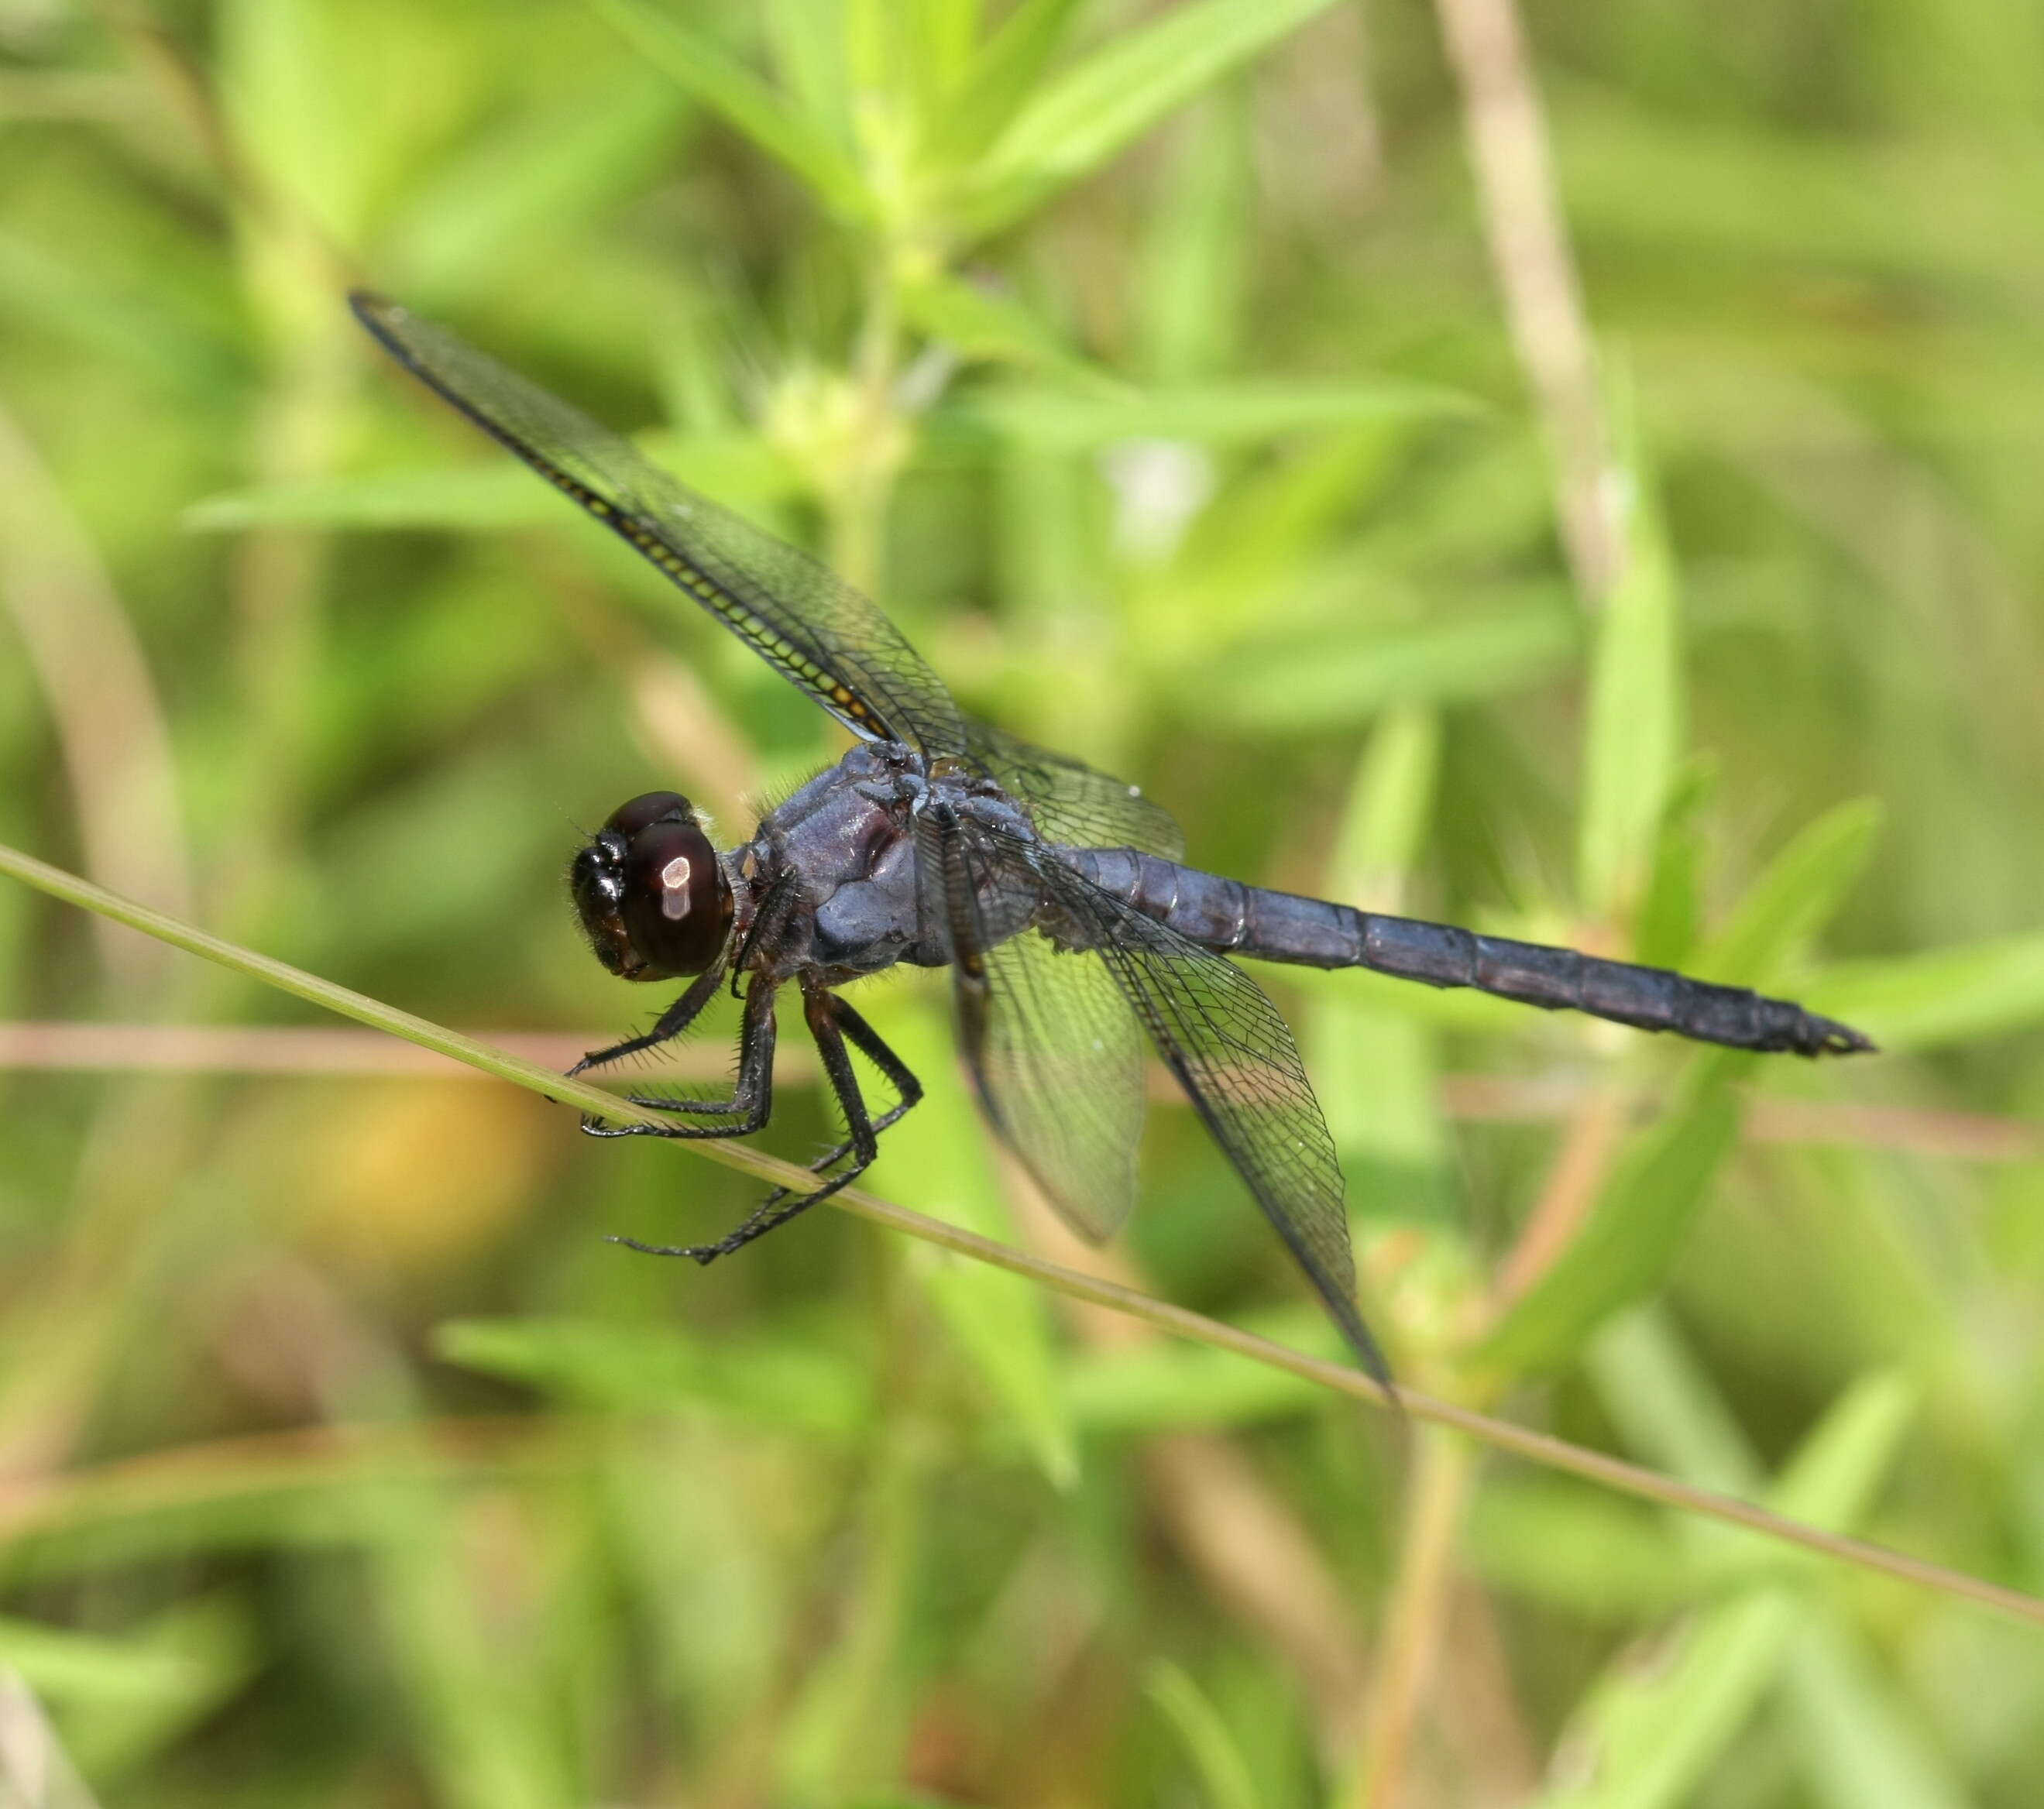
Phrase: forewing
pixel 1048 1036
pixel 1071 802
pixel 795 614
pixel 1220 1034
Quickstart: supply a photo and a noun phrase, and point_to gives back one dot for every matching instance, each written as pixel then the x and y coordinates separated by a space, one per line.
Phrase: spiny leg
pixel 821 1009
pixel 671 1024
pixel 769 917
pixel 898 1074
pixel 751 1099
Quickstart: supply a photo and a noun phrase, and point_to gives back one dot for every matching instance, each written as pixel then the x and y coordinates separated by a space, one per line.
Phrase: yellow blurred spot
pixel 410 1176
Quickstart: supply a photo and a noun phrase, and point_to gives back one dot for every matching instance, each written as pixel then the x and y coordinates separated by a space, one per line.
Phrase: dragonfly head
pixel 652 896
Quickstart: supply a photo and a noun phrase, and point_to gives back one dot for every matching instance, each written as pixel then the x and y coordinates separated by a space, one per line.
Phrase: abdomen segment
pixel 1232 918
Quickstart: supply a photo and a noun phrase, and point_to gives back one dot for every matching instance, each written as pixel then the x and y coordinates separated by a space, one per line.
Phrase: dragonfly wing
pixel 1053 1047
pixel 795 614
pixel 1071 801
pixel 1221 1035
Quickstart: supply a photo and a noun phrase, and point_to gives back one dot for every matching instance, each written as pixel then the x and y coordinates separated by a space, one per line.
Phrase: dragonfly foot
pixel 703 1254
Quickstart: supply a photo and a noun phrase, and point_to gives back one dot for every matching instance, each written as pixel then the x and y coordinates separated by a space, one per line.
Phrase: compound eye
pixel 677 901
pixel 647 809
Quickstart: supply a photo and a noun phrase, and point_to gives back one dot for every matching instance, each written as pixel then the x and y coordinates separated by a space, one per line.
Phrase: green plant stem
pixel 858 496
pixel 1538 1447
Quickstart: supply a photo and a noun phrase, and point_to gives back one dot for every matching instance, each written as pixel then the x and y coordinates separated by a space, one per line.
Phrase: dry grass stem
pixel 1536 274
pixel 1538 1447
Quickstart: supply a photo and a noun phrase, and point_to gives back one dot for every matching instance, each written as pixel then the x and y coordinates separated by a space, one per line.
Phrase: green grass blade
pixel 1154 1387
pixel 730 91
pixel 1947 995
pixel 1217 1760
pixel 1653 1735
pixel 1634 734
pixel 466 496
pixel 190 1662
pixel 1858 1740
pixel 494 493
pixel 1581 1554
pixel 1195 261
pixel 286 94
pixel 166 1664
pixel 778 1384
pixel 1001 78
pixel 112 324
pixel 997 327
pixel 810 56
pixel 1333 679
pixel 1078 120
pixel 1624 1251
pixel 1669 913
pixel 523 184
pixel 1799 892
pixel 1222 412
pixel 1376 1072
pixel 1630 1242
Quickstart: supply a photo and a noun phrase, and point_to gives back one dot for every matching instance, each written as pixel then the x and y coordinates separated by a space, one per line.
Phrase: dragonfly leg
pixel 821 1011
pixel 899 1075
pixel 672 1022
pixel 752 1100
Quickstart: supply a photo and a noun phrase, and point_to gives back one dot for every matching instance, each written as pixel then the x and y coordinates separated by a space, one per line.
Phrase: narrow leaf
pixel 1626 1249
pixel 285 96
pixel 495 493
pixel 1798 894
pixel 124 322
pixel 728 89
pixel 1650 1735
pixel 808 39
pixel 1223 1773
pixel 1079 120
pixel 1220 413
pixel 1001 77
pixel 996 327
pixel 1948 996
pixel 1376 1072
pixel 1857 1735
pixel 1153 1386
pixel 1635 729
pixel 527 180
pixel 1628 1246
pixel 1195 262
pixel 775 1382
pixel 1337 680
pixel 1667 923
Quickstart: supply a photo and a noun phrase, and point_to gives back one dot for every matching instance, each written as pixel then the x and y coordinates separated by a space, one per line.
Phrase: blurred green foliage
pixel 1147 361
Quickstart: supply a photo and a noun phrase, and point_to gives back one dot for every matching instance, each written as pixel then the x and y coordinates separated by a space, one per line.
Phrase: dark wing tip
pixel 1368 1352
pixel 382 318
pixel 1341 1307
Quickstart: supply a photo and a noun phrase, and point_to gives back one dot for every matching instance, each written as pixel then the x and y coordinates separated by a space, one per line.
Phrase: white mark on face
pixel 674 889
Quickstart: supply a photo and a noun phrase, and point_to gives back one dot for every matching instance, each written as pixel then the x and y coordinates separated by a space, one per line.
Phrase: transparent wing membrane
pixel 1211 1024
pixel 1071 802
pixel 795 614
pixel 1055 1050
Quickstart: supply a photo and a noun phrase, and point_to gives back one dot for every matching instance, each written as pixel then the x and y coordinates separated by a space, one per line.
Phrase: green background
pixel 1149 363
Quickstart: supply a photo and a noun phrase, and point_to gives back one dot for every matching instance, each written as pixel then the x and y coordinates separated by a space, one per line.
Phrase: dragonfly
pixel 1059 898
